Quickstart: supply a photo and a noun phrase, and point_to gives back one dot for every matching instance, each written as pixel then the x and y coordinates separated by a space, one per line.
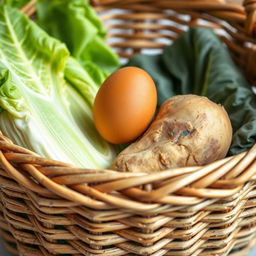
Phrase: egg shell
pixel 125 105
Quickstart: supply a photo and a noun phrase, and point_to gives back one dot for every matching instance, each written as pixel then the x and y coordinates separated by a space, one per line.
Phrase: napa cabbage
pixel 46 96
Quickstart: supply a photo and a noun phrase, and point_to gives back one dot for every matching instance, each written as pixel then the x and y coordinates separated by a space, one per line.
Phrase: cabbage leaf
pixel 16 3
pixel 40 109
pixel 76 24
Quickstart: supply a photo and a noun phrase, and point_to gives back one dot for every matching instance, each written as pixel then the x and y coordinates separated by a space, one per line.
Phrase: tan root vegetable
pixel 188 130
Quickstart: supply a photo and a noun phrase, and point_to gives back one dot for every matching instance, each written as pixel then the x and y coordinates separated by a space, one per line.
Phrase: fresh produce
pixel 76 24
pixel 40 110
pixel 199 63
pixel 125 105
pixel 47 96
pixel 16 3
pixel 188 130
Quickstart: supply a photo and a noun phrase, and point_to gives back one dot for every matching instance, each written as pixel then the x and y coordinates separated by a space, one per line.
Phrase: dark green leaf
pixel 199 63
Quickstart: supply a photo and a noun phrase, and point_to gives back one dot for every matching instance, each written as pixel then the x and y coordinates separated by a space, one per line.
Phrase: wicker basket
pixel 50 208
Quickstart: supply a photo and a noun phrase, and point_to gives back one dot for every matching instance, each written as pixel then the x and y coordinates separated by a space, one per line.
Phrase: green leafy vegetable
pixel 75 23
pixel 40 109
pixel 16 3
pixel 197 62
pixel 81 80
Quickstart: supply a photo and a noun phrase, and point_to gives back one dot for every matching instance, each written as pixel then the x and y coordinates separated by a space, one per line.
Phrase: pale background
pixel 3 252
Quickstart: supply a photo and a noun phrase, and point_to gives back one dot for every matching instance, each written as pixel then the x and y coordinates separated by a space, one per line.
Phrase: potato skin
pixel 189 130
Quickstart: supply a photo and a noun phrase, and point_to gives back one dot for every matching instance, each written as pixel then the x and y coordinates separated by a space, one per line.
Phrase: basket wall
pixel 50 208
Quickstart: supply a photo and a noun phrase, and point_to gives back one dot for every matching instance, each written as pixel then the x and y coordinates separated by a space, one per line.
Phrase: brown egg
pixel 125 105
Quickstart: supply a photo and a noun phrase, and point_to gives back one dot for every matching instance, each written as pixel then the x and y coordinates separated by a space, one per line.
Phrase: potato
pixel 188 130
